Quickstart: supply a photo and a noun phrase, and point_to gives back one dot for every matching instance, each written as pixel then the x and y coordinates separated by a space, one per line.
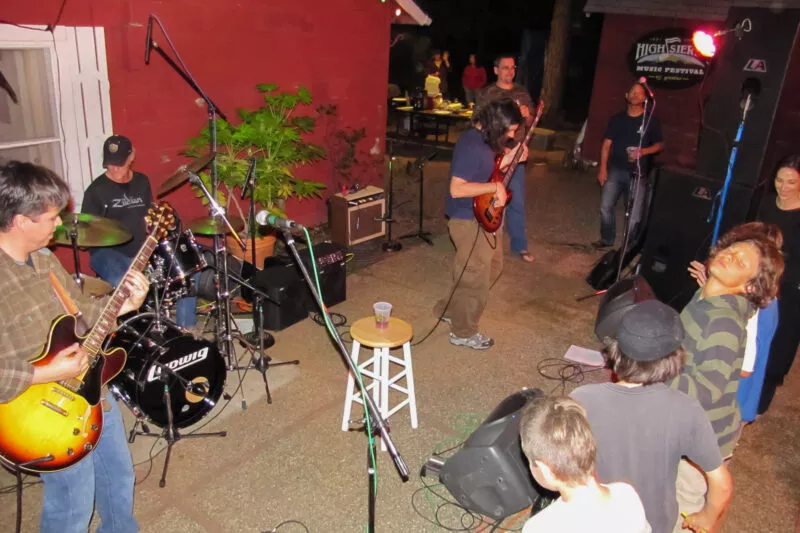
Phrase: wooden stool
pixel 397 333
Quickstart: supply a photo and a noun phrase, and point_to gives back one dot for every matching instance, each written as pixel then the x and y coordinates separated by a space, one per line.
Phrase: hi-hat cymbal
pixel 207 225
pixel 95 287
pixel 91 231
pixel 182 174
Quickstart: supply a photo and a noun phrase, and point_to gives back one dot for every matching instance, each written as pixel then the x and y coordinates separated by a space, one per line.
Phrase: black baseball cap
pixel 116 150
pixel 649 331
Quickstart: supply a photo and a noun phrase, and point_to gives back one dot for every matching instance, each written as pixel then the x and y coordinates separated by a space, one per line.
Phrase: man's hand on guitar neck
pixel 70 362
pixel 136 286
pixel 509 156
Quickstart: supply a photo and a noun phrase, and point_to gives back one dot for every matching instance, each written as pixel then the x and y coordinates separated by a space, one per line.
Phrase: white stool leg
pixel 412 397
pixel 348 399
pixel 384 407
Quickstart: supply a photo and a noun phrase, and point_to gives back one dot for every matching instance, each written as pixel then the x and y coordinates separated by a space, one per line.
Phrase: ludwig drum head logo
pixel 667 59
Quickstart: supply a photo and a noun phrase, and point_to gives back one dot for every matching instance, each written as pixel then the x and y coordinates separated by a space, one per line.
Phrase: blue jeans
pixel 104 478
pixel 112 264
pixel 618 184
pixel 515 212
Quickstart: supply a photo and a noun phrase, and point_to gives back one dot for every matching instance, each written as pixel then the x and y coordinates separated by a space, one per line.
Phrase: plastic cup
pixel 382 312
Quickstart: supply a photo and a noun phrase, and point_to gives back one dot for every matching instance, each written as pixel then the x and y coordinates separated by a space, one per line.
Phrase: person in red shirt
pixel 473 79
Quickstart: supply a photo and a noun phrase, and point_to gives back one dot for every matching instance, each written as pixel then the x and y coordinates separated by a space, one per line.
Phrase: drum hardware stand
pixel 420 163
pixel 390 245
pixel 170 433
pixel 259 360
pixel 73 237
pixel 377 422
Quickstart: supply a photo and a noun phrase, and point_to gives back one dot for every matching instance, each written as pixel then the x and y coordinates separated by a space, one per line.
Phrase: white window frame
pixel 79 73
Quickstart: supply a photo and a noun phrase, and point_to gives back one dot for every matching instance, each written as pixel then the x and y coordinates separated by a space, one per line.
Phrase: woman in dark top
pixel 782 207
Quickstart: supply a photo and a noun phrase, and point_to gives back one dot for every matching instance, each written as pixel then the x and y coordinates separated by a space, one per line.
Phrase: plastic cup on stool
pixel 382 312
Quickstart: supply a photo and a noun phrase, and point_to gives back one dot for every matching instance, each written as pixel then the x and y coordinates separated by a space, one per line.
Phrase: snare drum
pixel 191 368
pixel 177 258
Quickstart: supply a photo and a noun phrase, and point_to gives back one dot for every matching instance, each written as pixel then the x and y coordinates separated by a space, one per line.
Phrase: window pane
pixel 47 155
pixel 27 76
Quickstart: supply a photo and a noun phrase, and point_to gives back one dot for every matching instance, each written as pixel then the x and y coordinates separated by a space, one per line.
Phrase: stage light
pixel 704 43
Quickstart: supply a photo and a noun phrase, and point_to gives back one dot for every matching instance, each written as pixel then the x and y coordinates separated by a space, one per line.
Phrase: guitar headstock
pixel 160 220
pixel 539 111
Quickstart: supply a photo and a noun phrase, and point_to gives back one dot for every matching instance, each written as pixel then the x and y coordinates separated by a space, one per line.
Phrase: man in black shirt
pixel 124 195
pixel 618 157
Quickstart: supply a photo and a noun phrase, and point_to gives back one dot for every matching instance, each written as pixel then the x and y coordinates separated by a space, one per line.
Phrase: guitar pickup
pixel 63 393
pixel 55 408
pixel 488 215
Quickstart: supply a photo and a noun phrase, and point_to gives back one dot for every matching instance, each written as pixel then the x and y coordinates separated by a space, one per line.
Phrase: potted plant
pixel 351 163
pixel 273 135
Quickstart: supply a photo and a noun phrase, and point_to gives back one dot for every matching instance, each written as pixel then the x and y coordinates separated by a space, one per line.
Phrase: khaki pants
pixel 690 489
pixel 484 265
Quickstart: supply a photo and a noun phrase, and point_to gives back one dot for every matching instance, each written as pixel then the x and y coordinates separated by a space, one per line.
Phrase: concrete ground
pixel 291 461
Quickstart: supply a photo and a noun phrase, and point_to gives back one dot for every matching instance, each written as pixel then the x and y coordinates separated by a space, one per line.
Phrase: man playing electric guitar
pixel 31 198
pixel 478 254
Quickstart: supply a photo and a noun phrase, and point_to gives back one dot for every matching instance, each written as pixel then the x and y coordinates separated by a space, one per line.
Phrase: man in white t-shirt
pixel 561 450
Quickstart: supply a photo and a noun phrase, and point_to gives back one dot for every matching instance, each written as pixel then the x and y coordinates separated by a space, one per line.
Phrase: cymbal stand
pixel 170 433
pixel 73 237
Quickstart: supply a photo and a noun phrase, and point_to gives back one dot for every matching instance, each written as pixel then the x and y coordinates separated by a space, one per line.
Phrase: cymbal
pixel 92 231
pixel 95 287
pixel 182 174
pixel 206 225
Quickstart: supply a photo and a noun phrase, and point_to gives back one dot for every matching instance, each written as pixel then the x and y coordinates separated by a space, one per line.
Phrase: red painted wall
pixel 338 50
pixel 678 110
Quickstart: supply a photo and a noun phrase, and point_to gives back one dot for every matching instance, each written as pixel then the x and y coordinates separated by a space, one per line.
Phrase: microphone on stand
pixel 265 219
pixel 149 43
pixel 251 176
pixel 643 82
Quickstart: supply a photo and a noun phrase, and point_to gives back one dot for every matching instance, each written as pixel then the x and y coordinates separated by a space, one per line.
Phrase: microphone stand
pixel 377 422
pixel 390 245
pixel 223 322
pixel 424 235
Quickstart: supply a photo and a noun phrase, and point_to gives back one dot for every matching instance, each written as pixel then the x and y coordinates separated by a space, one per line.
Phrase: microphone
pixel 249 177
pixel 643 82
pixel 149 40
pixel 265 219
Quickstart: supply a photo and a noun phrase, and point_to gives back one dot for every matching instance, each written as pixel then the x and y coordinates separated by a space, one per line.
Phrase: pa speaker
pixel 754 65
pixel 619 299
pixel 490 474
pixel 680 230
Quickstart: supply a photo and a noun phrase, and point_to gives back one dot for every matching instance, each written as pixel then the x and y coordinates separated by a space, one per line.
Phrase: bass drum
pixel 191 368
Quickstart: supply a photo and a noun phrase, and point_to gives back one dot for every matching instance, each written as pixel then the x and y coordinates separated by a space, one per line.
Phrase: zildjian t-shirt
pixel 125 202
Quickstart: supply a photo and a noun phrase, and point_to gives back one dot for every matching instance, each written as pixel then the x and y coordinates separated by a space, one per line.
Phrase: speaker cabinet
pixel 357 217
pixel 756 64
pixel 680 230
pixel 619 299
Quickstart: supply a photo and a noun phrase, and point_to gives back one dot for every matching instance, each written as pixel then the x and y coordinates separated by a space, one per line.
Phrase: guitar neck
pixel 514 162
pixel 108 318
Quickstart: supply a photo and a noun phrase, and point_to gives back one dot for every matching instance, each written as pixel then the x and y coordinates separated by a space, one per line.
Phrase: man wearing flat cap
pixel 643 428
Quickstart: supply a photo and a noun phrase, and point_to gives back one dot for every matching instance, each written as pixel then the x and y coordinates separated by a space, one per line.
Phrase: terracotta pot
pixel 264 248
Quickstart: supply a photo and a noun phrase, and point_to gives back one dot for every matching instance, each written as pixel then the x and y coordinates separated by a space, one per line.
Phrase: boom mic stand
pixel 420 164
pixel 390 245
pixel 377 423
pixel 223 322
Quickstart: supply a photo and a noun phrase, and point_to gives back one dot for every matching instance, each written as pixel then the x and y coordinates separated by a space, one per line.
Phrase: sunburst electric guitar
pixel 488 215
pixel 52 426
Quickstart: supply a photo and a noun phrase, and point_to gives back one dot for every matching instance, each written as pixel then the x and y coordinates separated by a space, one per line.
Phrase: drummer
pixel 124 195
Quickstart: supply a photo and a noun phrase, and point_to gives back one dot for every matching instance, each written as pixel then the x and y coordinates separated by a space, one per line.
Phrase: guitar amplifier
pixel 291 298
pixel 353 216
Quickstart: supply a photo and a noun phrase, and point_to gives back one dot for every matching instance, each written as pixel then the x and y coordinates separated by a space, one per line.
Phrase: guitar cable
pixel 439 319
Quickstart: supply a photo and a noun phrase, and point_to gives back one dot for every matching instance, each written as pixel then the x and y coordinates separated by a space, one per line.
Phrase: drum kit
pixel 172 378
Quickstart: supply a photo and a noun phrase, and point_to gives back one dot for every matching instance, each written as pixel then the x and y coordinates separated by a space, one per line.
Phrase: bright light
pixel 398 12
pixel 704 43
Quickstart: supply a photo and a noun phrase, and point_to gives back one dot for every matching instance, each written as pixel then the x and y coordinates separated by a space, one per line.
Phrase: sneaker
pixel 476 342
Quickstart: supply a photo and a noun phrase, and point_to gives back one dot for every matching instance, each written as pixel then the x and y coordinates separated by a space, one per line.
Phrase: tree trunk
pixel 555 59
